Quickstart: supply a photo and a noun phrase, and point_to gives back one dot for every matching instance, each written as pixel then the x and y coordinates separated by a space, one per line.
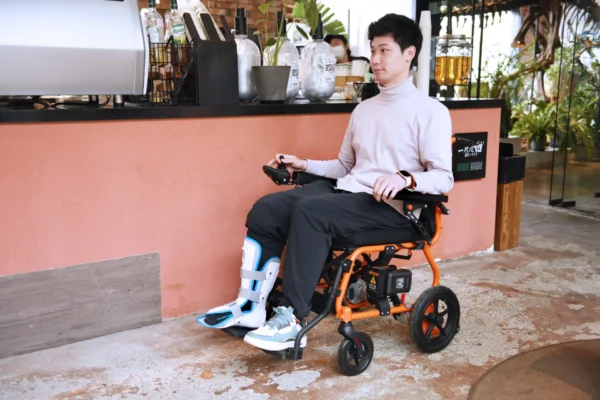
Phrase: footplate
pixel 287 354
pixel 237 331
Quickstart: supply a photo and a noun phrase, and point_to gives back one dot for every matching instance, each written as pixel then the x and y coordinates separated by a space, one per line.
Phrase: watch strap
pixel 412 184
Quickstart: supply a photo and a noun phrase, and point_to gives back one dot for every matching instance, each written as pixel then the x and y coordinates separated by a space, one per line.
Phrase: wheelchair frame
pixel 348 264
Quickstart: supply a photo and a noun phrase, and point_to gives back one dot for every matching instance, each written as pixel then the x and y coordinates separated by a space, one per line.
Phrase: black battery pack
pixel 385 281
pixel 399 281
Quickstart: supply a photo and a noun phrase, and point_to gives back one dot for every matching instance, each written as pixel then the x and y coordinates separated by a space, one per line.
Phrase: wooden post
pixel 508 215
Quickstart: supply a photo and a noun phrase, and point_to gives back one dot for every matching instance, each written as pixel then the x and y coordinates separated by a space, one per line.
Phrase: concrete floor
pixel 547 291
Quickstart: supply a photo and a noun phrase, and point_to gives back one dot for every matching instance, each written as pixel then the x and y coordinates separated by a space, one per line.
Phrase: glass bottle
pixel 453 60
pixel 199 9
pixel 288 55
pixel 155 27
pixel 318 68
pixel 177 31
pixel 248 56
pixel 176 24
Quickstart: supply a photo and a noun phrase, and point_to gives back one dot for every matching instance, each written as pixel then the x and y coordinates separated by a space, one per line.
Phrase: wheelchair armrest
pixel 304 178
pixel 419 197
pixel 416 200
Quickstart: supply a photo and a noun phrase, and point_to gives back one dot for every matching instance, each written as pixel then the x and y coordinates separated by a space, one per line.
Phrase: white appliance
pixel 72 47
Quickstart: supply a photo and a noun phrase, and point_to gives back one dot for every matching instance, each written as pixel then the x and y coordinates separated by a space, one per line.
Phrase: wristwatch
pixel 412 184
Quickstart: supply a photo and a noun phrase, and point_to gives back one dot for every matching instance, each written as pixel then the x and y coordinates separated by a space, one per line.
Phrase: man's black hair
pixel 404 30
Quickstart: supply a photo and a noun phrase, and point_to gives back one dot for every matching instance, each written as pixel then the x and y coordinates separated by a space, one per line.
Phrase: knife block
pixel 212 76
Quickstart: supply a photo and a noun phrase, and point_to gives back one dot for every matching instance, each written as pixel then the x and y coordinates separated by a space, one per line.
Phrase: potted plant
pixel 271 79
pixel 536 125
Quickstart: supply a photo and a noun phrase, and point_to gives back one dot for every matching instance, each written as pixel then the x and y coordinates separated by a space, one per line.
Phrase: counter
pixel 84 113
pixel 113 219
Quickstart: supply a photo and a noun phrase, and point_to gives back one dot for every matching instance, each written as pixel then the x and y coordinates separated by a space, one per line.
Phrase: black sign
pixel 469 154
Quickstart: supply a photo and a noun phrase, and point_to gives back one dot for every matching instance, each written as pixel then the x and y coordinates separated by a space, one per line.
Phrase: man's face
pixel 389 63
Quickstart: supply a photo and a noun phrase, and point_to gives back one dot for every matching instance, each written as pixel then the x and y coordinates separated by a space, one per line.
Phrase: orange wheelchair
pixel 356 285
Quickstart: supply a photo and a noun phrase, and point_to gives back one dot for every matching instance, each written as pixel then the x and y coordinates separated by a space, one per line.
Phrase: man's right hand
pixel 292 163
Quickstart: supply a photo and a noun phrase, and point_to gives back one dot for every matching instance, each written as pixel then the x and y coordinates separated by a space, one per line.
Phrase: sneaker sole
pixel 272 346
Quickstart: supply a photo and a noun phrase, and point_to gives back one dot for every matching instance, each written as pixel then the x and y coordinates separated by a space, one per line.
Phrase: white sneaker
pixel 278 333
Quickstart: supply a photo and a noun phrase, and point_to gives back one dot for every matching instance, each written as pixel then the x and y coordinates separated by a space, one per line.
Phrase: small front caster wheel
pixel 435 319
pixel 351 363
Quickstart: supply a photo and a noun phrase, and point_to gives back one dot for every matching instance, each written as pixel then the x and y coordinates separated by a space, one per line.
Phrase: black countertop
pixel 87 113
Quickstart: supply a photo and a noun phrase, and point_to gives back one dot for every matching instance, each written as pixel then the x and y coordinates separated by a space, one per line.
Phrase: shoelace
pixel 280 319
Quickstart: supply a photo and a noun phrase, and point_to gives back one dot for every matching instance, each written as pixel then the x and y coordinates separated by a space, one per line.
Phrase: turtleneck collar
pixel 398 91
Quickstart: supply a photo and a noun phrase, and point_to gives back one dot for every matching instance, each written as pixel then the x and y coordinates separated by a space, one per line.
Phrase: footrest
pixel 288 354
pixel 237 331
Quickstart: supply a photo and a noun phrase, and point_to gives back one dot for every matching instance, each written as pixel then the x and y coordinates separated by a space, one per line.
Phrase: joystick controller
pixel 279 175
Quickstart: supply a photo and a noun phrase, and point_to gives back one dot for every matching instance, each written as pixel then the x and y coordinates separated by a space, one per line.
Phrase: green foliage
pixel 574 101
pixel 305 10
pixel 538 124
pixel 578 115
pixel 514 92
pixel 308 12
pixel 264 8
pixel 278 40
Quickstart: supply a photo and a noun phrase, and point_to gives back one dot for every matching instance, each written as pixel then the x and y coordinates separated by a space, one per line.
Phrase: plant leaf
pixel 298 11
pixel 335 28
pixel 312 14
pixel 302 32
pixel 264 8
pixel 271 42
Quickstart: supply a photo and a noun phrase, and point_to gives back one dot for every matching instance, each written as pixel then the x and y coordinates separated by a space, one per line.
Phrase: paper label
pixel 179 34
pixel 329 75
pixel 295 76
pixel 154 34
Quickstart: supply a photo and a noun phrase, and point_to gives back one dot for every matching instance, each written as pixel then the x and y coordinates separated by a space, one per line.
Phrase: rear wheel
pixel 435 319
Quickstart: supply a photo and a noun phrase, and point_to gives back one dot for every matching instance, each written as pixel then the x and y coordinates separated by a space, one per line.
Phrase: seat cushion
pixel 404 234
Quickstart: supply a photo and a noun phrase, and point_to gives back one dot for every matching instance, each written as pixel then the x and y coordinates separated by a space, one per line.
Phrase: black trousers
pixel 308 218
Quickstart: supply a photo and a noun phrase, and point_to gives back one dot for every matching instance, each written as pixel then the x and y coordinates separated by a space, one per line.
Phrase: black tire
pixel 433 331
pixel 346 355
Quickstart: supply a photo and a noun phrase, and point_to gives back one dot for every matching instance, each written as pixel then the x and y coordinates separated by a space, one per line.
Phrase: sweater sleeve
pixel 340 167
pixel 435 151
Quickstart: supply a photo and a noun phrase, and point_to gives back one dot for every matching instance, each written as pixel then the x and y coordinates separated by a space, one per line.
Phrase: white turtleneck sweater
pixel 399 129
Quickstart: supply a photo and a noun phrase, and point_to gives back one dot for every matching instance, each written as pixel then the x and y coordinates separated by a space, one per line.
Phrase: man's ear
pixel 410 52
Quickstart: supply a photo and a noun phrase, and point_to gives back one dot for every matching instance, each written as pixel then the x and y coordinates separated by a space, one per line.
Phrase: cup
pixel 357 92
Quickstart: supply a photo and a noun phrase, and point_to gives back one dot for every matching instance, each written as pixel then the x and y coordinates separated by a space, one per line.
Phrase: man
pixel 398 139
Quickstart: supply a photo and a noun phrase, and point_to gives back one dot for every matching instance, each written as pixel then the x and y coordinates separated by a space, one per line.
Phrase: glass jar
pixel 317 71
pixel 453 55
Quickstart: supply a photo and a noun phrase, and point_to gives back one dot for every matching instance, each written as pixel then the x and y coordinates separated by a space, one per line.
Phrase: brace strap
pixel 250 295
pixel 236 311
pixel 253 275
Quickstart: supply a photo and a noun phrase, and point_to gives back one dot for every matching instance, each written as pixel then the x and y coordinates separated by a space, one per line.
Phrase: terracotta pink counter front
pixel 175 192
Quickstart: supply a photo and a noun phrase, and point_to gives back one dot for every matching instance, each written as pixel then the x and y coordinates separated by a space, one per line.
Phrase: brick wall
pixel 228 7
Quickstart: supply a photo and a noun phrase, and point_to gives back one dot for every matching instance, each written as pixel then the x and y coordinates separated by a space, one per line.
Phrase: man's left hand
pixel 387 186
